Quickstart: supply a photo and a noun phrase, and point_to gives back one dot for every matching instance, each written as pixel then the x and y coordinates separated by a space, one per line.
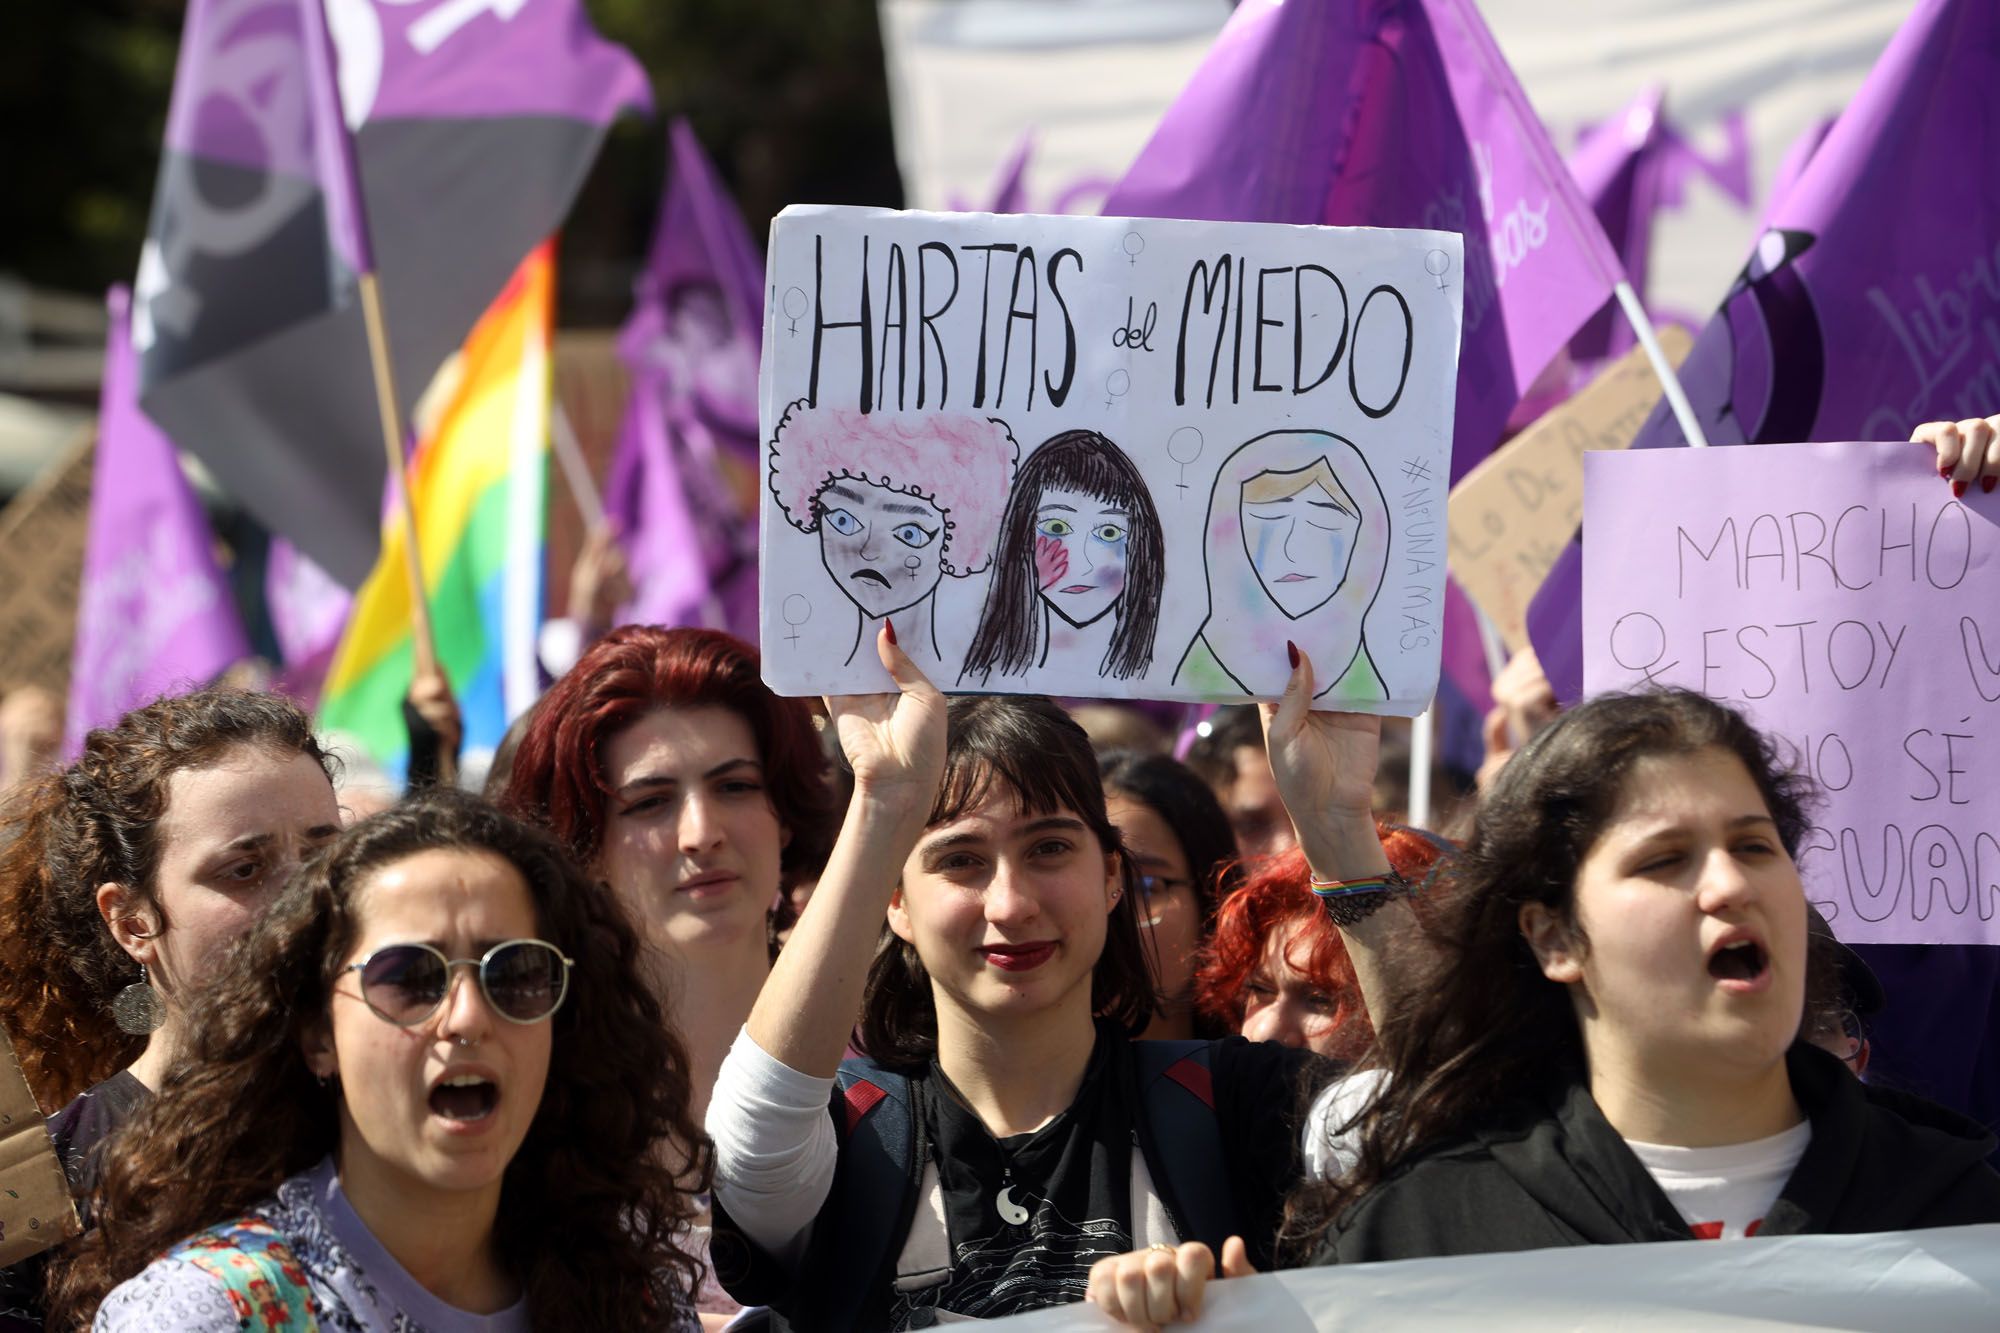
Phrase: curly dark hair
pixel 603 1183
pixel 1484 1031
pixel 96 822
pixel 1028 745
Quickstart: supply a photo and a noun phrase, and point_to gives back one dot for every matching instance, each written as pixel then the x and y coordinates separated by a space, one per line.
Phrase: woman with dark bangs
pixel 1179 840
pixel 1607 1045
pixel 1004 1131
pixel 1079 570
pixel 429 1091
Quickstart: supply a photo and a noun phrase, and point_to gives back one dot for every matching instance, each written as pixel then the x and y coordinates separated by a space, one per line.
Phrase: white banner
pixel 1945 1279
pixel 1086 79
pixel 1127 458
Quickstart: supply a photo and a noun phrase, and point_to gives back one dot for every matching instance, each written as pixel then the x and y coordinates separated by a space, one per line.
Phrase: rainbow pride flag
pixel 479 484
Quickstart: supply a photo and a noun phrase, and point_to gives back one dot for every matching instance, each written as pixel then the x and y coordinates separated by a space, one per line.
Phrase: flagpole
pixel 1670 383
pixel 424 646
pixel 575 469
pixel 1423 730
pixel 347 230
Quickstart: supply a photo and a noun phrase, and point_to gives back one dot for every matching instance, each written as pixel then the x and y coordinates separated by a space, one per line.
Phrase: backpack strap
pixel 1183 1137
pixel 876 1190
pixel 262 1278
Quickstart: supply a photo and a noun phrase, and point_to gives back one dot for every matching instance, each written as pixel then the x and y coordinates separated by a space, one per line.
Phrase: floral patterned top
pixel 304 1262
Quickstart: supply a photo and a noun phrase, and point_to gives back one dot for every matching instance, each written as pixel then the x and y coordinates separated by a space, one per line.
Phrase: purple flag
pixel 686 569
pixel 1871 302
pixel 1392 113
pixel 698 309
pixel 1010 190
pixel 1619 166
pixel 473 124
pixel 692 346
pixel 309 610
pixel 156 614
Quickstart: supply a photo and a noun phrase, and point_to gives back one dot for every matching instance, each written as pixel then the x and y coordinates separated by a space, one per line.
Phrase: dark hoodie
pixel 1878 1161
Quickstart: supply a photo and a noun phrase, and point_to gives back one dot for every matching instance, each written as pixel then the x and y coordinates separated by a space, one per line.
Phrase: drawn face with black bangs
pixel 883 547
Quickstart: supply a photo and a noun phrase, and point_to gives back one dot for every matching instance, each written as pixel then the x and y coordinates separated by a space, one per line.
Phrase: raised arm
pixel 1324 764
pixel 895 744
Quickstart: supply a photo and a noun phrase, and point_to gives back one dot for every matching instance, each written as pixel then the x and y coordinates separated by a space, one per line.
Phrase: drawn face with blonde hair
pixel 1299 530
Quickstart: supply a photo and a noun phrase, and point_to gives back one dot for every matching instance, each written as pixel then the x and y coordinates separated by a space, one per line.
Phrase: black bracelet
pixel 1350 907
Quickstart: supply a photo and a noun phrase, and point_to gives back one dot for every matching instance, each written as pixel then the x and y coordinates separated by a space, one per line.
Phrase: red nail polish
pixel 1292 651
pixel 889 628
pixel 1958 490
pixel 1945 472
pixel 1986 484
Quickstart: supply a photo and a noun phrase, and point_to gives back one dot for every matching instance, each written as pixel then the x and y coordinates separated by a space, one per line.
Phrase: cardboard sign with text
pixel 35 1207
pixel 1840 598
pixel 1512 515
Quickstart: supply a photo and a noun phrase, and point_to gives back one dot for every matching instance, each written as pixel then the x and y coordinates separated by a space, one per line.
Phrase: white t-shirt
pixel 1332 1141
pixel 1723 1193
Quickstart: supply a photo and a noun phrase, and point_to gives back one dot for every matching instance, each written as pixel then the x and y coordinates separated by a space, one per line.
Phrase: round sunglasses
pixel 524 980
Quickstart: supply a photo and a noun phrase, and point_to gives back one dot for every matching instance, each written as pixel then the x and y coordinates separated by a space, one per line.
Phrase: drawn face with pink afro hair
pixel 898 502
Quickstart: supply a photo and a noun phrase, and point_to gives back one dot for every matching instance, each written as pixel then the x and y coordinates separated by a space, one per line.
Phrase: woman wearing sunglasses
pixel 429 1092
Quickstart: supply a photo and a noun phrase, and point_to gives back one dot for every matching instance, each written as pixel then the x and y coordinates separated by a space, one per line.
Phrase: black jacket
pixel 1878 1161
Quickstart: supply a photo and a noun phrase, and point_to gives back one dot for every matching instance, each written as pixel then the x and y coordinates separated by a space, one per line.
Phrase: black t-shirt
pixel 76 1131
pixel 1027 1215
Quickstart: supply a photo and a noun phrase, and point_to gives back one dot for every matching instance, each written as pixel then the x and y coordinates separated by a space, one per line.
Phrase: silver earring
pixel 138 1009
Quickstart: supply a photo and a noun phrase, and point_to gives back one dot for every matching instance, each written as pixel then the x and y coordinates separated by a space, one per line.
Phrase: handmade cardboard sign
pixel 35 1207
pixel 1119 457
pixel 1513 514
pixel 1840 596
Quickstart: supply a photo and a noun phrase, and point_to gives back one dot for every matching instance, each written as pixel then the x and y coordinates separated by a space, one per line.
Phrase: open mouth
pixel 1295 578
pixel 872 575
pixel 1743 961
pixel 464 1098
pixel 1019 957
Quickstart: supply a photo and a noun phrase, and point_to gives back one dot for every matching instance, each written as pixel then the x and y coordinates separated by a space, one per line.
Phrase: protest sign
pixel 1511 516
pixel 1841 597
pixel 35 1207
pixel 1946 1277
pixel 1106 456
pixel 42 536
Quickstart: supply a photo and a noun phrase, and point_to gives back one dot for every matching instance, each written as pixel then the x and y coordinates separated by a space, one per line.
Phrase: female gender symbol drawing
pixel 1437 263
pixel 1134 245
pixel 797 610
pixel 796 305
pixel 898 503
pixel 1296 547
pixel 1184 446
pixel 1116 384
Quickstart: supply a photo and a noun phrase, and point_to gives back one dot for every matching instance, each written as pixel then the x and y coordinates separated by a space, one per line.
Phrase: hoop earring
pixel 138 1010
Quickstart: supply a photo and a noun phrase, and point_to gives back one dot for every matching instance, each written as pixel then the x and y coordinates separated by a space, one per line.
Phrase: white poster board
pixel 1114 457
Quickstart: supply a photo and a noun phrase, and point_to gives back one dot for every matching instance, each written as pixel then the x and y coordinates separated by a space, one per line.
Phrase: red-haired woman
pixel 674 775
pixel 1276 968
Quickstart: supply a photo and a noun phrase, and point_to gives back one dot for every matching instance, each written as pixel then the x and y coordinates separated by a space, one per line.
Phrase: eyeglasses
pixel 1155 884
pixel 524 980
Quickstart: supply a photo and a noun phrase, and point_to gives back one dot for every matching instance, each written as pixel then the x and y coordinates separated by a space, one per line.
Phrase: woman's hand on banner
pixel 1162 1284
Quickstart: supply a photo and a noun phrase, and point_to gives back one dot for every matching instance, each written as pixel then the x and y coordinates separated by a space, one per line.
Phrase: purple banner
pixel 1392 113
pixel 1858 315
pixel 1853 619
pixel 155 615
